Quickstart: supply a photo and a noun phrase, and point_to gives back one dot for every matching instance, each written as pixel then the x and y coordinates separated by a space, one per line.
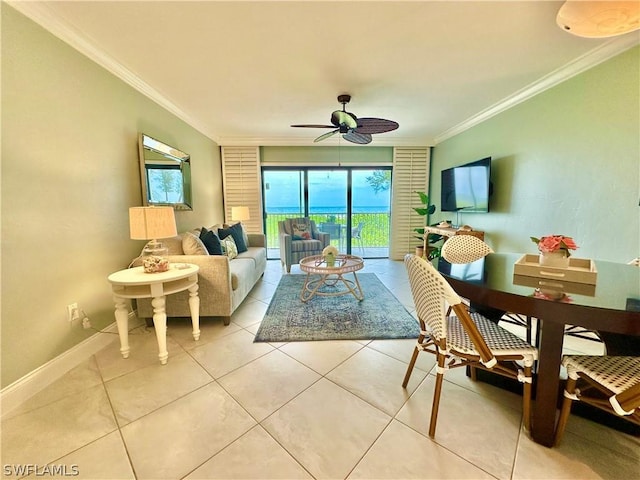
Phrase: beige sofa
pixel 223 283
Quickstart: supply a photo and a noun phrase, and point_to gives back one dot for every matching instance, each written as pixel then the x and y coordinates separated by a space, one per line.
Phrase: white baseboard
pixel 21 390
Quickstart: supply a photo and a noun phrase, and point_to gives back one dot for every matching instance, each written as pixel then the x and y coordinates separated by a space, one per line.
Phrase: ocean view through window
pixel 338 200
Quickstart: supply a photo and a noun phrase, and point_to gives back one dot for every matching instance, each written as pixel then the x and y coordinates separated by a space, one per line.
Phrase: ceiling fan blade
pixel 325 135
pixel 355 137
pixel 344 118
pixel 375 125
pixel 314 126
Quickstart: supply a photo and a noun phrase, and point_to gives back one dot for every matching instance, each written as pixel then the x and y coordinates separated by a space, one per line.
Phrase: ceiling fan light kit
pixel 353 129
pixel 599 19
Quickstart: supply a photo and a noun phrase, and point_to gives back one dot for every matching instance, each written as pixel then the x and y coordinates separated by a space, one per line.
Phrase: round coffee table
pixel 330 276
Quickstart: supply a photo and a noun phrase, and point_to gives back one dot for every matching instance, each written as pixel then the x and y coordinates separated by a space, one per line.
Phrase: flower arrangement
pixel 553 295
pixel 330 253
pixel 330 249
pixel 555 243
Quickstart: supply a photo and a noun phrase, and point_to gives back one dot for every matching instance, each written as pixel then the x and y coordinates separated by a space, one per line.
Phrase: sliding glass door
pixel 370 212
pixel 283 197
pixel 328 204
pixel 351 204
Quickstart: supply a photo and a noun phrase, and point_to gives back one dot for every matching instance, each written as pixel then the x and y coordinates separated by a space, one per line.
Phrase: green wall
pixel 69 174
pixel 566 161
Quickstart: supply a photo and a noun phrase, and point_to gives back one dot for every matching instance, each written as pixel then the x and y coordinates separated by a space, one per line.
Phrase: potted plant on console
pixel 433 251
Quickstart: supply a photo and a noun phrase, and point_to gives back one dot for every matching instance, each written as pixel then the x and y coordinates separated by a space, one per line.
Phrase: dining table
pixel 610 304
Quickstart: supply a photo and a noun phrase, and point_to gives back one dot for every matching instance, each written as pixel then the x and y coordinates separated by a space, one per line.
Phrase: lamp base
pixel 154 257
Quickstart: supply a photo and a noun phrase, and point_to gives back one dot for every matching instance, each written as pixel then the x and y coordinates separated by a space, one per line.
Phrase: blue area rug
pixel 380 315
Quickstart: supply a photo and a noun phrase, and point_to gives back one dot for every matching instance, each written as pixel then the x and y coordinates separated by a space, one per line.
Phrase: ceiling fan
pixel 352 128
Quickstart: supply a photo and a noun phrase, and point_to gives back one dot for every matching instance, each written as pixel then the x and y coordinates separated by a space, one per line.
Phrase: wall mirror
pixel 165 174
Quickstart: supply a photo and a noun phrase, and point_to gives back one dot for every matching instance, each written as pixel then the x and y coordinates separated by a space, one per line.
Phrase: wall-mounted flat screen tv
pixel 467 188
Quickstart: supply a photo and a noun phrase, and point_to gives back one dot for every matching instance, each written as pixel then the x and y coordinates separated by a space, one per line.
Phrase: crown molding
pixel 573 68
pixel 50 21
pixel 308 142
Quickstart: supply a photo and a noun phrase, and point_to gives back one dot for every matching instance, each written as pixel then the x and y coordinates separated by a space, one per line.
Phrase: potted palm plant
pixel 432 250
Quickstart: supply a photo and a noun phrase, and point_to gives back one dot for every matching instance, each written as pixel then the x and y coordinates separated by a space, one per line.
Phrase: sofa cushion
pixel 173 245
pixel 237 233
pixel 192 245
pixel 242 274
pixel 211 242
pixel 229 247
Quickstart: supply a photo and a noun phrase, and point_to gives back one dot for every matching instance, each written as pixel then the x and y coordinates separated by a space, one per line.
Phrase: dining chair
pixel 463 339
pixel 466 249
pixel 610 383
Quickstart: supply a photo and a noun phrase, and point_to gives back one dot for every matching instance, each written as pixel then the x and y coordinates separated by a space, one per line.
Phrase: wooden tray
pixel 555 285
pixel 580 270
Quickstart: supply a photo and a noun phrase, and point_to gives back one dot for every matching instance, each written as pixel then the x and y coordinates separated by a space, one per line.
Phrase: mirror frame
pixel 155 155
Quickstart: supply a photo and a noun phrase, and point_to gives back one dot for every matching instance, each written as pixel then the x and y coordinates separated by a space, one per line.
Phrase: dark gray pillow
pixel 211 241
pixel 236 232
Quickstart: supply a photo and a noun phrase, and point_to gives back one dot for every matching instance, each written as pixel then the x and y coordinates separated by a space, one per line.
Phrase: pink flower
pixel 549 244
pixel 569 243
pixel 555 243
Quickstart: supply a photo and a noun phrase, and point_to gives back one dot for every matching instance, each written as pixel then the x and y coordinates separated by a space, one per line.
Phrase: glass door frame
pixel 305 207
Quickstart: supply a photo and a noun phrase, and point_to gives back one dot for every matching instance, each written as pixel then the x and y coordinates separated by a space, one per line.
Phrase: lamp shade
pixel 239 214
pixel 150 223
pixel 599 19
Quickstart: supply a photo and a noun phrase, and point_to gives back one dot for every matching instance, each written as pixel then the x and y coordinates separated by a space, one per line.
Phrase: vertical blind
pixel 410 174
pixel 242 185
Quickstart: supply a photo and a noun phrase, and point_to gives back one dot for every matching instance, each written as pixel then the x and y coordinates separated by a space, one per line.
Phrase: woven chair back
pixel 431 294
pixel 464 249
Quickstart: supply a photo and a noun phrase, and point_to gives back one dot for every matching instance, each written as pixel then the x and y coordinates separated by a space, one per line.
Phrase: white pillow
pixel 229 247
pixel 301 231
pixel 192 245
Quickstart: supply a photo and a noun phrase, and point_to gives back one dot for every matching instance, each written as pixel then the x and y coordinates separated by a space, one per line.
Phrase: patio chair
pixel 334 230
pixel 464 339
pixel 356 234
pixel 609 383
pixel 299 238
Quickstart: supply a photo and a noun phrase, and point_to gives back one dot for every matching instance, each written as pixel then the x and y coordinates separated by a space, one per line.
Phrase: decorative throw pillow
pixel 235 231
pixel 229 247
pixel 211 242
pixel 245 237
pixel 301 231
pixel 192 245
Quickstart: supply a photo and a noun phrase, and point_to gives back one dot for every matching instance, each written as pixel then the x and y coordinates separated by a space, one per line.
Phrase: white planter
pixel 554 259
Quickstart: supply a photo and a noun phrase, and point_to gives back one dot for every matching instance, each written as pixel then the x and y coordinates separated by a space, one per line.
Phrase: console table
pixel 135 283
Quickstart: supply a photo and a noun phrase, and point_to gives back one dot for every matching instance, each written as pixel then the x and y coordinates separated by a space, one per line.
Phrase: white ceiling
pixel 242 72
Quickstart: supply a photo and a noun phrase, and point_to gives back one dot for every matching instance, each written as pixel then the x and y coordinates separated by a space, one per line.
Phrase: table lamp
pixel 238 214
pixel 152 223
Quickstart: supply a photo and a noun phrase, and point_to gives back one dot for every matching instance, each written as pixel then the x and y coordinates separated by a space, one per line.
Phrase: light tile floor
pixel 225 407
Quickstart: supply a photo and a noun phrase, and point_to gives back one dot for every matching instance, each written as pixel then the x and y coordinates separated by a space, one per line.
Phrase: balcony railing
pixel 374 234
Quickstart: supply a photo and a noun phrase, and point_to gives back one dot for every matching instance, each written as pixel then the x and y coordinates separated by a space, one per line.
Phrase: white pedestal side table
pixel 134 283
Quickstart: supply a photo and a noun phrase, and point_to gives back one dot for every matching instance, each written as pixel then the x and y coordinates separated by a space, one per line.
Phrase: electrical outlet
pixel 72 312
